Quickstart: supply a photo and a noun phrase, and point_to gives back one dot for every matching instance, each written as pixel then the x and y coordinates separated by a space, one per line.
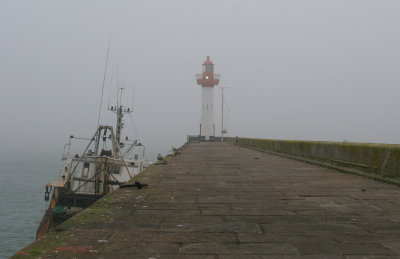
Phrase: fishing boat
pixel 104 165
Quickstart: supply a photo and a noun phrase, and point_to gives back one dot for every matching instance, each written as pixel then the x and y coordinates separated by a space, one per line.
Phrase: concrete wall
pixel 197 138
pixel 383 159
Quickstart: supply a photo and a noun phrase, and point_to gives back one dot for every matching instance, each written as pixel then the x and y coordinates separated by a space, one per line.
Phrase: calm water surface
pixel 22 181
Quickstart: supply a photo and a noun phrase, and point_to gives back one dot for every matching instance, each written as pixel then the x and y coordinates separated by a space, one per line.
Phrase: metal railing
pixel 202 76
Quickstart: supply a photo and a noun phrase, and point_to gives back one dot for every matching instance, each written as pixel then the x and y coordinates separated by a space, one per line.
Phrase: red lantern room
pixel 208 78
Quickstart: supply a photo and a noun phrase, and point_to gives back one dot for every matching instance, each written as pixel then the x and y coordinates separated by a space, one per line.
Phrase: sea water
pixel 22 185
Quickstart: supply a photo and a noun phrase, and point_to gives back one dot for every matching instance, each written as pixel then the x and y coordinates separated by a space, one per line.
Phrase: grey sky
pixel 318 70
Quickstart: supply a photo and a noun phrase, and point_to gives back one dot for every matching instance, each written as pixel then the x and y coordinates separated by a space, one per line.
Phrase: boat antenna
pixel 133 96
pixel 111 85
pixel 104 80
pixel 134 126
pixel 122 88
pixel 117 82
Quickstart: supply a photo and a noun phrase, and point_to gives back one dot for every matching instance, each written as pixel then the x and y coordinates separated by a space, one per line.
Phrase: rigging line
pixel 80 158
pixel 88 180
pixel 134 126
pixel 126 165
pixel 133 96
pixel 96 174
pixel 110 174
pixel 109 94
pixel 122 158
pixel 104 80
pixel 226 119
pixel 120 96
pixel 117 83
pixel 226 103
pixel 105 145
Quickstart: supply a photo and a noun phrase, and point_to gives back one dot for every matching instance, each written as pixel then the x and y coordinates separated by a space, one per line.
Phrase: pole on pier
pixel 223 130
pixel 222 112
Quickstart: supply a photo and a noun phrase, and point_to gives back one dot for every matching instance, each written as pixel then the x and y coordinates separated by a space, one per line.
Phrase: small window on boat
pixel 85 170
pixel 114 169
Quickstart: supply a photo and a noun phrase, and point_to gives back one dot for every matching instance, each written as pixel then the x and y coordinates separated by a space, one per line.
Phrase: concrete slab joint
pixel 218 200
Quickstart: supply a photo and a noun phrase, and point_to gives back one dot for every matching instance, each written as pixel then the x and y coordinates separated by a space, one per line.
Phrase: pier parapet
pixel 380 161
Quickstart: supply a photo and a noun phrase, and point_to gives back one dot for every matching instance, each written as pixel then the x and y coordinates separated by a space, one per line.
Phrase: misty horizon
pixel 307 70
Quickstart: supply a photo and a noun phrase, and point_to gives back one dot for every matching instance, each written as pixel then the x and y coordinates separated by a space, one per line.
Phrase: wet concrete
pixel 217 200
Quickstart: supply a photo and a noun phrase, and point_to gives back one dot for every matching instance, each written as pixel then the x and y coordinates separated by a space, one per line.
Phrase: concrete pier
pixel 217 200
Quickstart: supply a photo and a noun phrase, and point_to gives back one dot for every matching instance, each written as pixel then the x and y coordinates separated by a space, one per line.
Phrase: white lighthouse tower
pixel 207 80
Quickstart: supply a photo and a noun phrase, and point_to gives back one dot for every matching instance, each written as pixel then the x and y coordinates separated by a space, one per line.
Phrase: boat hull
pixel 56 215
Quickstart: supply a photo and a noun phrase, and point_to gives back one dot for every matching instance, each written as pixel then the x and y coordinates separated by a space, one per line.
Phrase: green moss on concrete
pixel 37 249
pixel 328 164
pixel 91 215
pixel 101 207
pixel 380 159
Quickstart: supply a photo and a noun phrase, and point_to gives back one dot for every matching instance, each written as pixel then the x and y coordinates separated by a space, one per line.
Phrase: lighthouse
pixel 207 80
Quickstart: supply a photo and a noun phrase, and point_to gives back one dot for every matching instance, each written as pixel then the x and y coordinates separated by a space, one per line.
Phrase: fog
pixel 311 70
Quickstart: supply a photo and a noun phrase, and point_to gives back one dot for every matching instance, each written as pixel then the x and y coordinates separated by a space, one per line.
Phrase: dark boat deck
pixel 217 200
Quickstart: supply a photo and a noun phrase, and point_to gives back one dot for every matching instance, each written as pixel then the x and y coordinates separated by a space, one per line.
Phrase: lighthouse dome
pixel 208 61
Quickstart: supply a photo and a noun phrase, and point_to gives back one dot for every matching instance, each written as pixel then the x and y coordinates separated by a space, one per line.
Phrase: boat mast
pixel 119 110
pixel 119 124
pixel 119 117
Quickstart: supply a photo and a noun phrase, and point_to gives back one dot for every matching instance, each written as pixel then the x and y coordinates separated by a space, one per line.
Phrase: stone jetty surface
pixel 217 200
